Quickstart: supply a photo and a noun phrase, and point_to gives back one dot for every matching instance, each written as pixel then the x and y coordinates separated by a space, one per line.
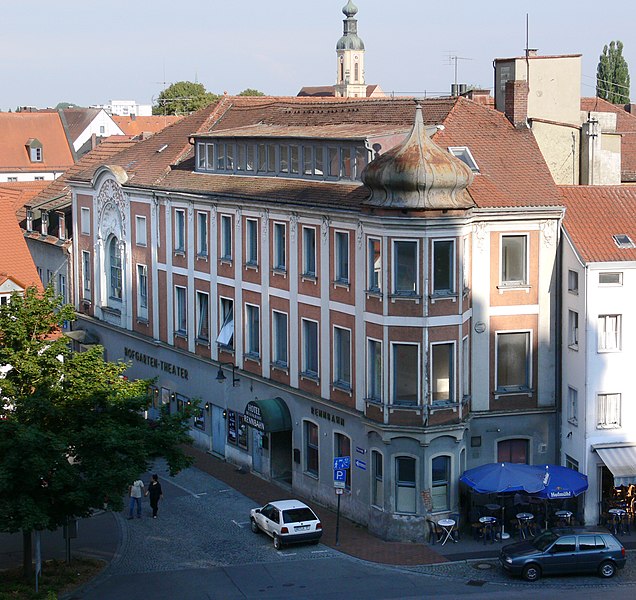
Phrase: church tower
pixel 350 57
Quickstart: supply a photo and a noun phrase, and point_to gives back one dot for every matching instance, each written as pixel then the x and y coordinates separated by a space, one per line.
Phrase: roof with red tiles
pixel 133 125
pixel 19 193
pixel 16 129
pixel 596 213
pixel 625 125
pixel 513 172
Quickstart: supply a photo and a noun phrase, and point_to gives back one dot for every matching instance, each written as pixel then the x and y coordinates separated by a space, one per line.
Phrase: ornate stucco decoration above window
pixel 112 207
pixel 418 175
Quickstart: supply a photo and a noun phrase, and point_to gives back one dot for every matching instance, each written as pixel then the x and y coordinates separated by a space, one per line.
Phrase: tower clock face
pixel 355 56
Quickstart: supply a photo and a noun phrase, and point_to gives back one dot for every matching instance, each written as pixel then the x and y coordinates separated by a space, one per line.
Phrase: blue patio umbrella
pixel 499 478
pixel 560 482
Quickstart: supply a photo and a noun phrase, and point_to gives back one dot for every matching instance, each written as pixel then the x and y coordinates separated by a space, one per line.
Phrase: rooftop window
pixel 623 240
pixel 465 155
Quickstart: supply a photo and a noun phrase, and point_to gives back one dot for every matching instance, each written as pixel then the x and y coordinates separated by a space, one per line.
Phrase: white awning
pixel 620 459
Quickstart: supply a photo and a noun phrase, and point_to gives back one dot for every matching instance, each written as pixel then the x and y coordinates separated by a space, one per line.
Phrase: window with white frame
pixel 309 251
pixel 570 463
pixel 405 267
pixel 573 281
pixel 405 485
pixel 140 230
pixel 252 331
pixel 179 230
pixel 203 316
pixel 341 253
pixel 202 234
pixel 311 448
pixel 466 264
pixel 226 237
pixel 142 291
pixel 608 411
pixel 114 263
pixel 201 156
pixel 609 333
pixel 377 481
pixel 406 374
pixel 374 370
pixel 514 260
pixel 610 278
pixel 573 329
pixel 310 348
pixel 251 242
pixel 573 405
pixel 225 338
pixel 342 449
pixel 85 221
pixel 440 483
pixel 280 248
pixel 374 265
pixel 180 310
pixel 443 267
pixel 209 156
pixel 466 367
pixel 342 357
pixel 513 360
pixel 279 339
pixel 61 287
pixel 442 372
pixel 86 274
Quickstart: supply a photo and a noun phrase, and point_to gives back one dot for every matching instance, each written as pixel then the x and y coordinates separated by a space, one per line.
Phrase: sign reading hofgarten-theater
pixel 155 363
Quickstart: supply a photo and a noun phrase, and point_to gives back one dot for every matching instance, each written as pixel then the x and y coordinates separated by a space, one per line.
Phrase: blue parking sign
pixel 339 475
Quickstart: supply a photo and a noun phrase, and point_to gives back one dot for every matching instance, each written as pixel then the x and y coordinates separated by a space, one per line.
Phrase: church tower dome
pixel 350 57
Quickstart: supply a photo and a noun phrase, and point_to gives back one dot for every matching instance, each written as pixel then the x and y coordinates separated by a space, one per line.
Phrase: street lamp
pixel 220 376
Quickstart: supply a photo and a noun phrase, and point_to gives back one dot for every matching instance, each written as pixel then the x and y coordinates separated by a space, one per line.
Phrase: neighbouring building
pixel 126 108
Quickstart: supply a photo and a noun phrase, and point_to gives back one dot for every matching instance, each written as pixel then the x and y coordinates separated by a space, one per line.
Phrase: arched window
pixel 405 485
pixel 341 70
pixel 114 259
pixel 440 479
pixel 356 72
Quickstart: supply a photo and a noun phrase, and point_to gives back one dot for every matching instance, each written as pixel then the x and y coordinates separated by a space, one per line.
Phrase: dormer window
pixel 34 148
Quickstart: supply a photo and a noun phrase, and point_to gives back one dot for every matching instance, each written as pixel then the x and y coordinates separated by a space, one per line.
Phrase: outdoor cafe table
pixel 524 519
pixel 564 515
pixel 447 526
pixel 488 523
pixel 618 515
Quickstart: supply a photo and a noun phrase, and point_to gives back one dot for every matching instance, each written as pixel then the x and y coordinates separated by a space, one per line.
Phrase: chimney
pixel 516 108
pixel 480 97
pixel 61 225
pixel 631 108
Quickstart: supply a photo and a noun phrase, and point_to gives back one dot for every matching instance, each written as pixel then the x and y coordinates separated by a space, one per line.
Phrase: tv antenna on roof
pixel 452 59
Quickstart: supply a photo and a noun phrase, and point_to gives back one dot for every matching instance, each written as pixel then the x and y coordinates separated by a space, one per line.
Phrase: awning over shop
pixel 269 415
pixel 620 459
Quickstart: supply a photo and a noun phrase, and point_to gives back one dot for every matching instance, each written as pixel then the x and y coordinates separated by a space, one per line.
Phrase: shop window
pixel 440 475
pixel 377 482
pixel 513 451
pixel 405 485
pixel 311 448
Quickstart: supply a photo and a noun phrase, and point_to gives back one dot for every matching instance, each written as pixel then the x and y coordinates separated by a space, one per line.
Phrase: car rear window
pixel 293 515
pixel 591 542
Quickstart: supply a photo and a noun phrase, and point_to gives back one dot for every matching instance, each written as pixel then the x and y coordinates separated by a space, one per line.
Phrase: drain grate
pixel 476 582
pixel 483 566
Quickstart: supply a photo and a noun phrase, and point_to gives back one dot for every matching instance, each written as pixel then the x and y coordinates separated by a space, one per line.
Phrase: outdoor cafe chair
pixel 434 532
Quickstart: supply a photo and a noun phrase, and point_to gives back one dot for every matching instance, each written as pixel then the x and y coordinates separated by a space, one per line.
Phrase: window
pixel 251 242
pixel 12 179
pixel 443 267
pixel 513 360
pixel 565 544
pixel 284 158
pixel 610 278
pixel 142 291
pixel 591 542
pixel 279 247
pixel 466 367
pixel 226 237
pixel 179 230
pixel 374 262
pixel 514 260
pixel 440 475
pixel 341 267
pixel 201 156
pixel 209 157
pixel 374 370
pixel 573 405
pixel 86 273
pixel 293 161
pixel 226 331
pixel 466 264
pixel 342 358
pixel 377 482
pixel 309 251
pixel 140 230
pixel 241 160
pixel 85 221
pixel 308 160
pixel 202 234
pixel 35 153
pixel 405 268
pixel 252 331
pixel 61 287
pixel 573 329
pixel 342 448
pixel 310 349
pixel 622 240
pixel 280 346
pixel 311 448
pixel 220 157
pixel 114 259
pixel 405 374
pixel 203 316
pixel 514 451
pixel 570 463
pixel 573 281
pixel 180 310
pixel 465 155
pixel 608 411
pixel 609 333
pixel 442 376
pixel 405 492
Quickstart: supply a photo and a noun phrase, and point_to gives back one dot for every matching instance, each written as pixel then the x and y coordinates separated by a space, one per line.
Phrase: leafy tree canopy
pixel 182 98
pixel 72 431
pixel 612 74
pixel 251 92
pixel 62 105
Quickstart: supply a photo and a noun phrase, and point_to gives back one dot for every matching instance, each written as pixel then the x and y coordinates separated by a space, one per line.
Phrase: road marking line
pixel 240 524
pixel 225 490
pixel 319 551
pixel 181 487
pixel 201 494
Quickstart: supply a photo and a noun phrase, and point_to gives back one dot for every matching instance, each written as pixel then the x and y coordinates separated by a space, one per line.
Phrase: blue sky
pixel 81 51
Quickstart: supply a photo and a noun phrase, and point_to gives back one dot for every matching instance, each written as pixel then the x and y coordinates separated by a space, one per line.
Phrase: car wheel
pixel 607 569
pixel 277 543
pixel 531 572
pixel 254 526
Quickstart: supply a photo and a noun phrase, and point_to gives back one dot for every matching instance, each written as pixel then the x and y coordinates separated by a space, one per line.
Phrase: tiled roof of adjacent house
pixel 626 126
pixel 19 193
pixel 594 214
pixel 133 125
pixel 16 129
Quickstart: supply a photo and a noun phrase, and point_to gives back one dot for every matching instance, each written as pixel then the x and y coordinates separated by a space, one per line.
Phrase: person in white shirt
pixel 135 491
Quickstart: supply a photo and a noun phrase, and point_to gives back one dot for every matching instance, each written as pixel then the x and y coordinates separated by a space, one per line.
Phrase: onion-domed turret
pixel 418 175
pixel 350 39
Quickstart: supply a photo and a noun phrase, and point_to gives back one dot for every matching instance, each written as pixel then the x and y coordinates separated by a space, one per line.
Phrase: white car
pixel 287 522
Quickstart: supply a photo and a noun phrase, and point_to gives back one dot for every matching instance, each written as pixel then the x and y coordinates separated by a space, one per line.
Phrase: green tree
pixel 63 105
pixel 72 431
pixel 182 98
pixel 251 92
pixel 612 74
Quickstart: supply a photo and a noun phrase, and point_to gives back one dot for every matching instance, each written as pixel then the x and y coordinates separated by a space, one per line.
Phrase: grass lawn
pixel 57 577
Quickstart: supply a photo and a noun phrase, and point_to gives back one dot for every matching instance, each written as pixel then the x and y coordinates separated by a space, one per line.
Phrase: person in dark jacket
pixel 155 493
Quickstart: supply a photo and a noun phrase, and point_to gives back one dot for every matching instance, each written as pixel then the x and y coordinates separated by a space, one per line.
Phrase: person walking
pixel 155 493
pixel 135 491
